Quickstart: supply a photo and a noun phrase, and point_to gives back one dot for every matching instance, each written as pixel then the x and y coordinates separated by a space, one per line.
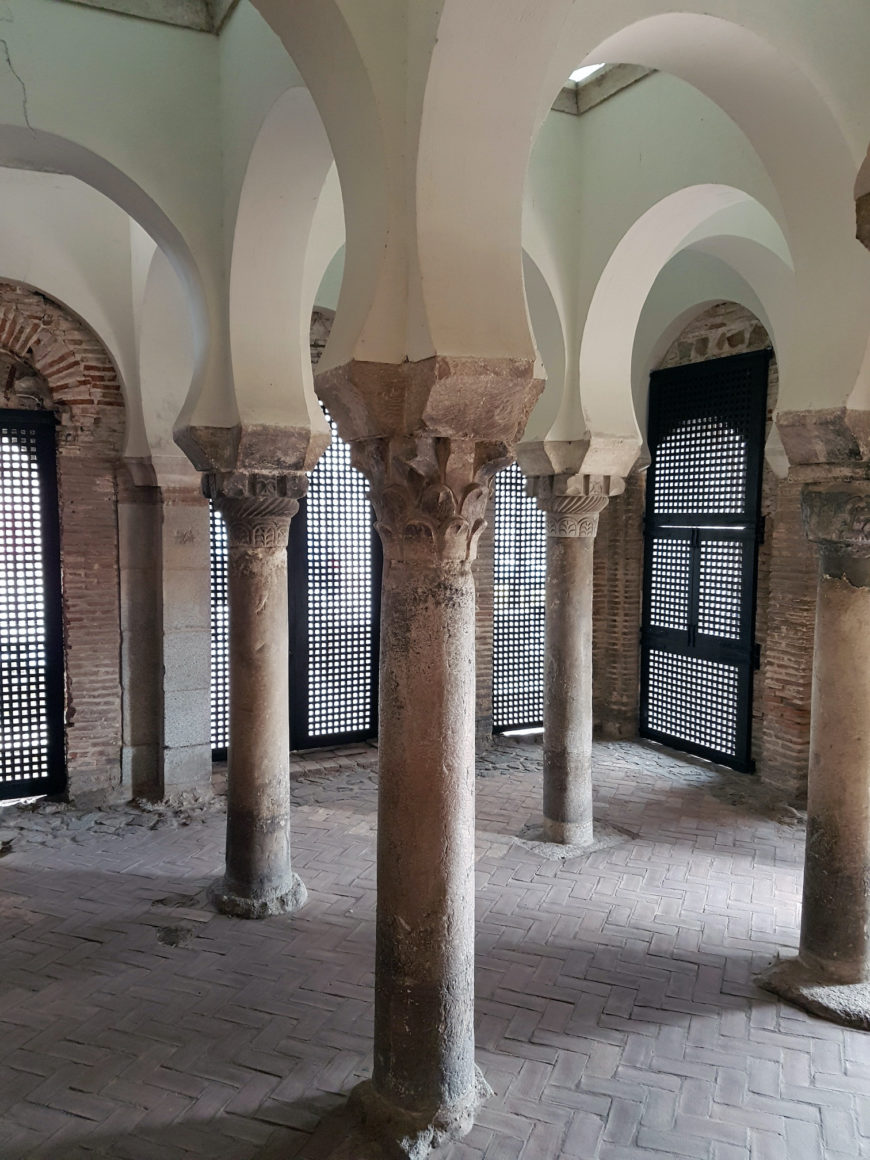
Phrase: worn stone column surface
pixel 430 496
pixel 429 436
pixel 257 509
pixel 572 504
pixel 572 521
pixel 831 974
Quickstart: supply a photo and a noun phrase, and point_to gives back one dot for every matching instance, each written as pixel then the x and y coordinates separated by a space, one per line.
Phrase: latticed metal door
pixel 520 578
pixel 335 596
pixel 31 634
pixel 702 528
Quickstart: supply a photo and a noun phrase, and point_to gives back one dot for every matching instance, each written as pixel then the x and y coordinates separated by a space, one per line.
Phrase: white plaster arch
pixel 325 253
pixel 31 149
pixel 270 298
pixel 609 333
pixel 549 331
pixel 805 141
pixel 321 38
pixel 687 284
pixel 60 237
pixel 166 358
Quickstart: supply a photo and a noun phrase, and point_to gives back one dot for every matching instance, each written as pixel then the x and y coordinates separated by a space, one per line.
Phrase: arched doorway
pixel 60 621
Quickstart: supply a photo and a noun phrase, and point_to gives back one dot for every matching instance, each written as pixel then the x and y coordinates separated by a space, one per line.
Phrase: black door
pixel 702 528
pixel 31 632
pixel 335 566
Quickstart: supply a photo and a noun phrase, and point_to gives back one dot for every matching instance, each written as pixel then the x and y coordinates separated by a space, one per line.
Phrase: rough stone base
pixel 844 1003
pixel 404 1135
pixel 238 906
pixel 533 837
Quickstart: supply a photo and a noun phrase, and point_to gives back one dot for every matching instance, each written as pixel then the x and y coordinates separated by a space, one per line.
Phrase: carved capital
pixel 449 396
pixel 257 507
pixel 573 503
pixel 429 494
pixel 837 516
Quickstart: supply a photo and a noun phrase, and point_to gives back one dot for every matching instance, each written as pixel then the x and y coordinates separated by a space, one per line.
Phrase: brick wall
pixel 616 596
pixel 75 377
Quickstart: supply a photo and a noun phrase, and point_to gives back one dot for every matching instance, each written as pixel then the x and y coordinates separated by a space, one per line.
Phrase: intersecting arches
pixel 271 293
pixel 771 87
pixel 683 218
pixel 23 148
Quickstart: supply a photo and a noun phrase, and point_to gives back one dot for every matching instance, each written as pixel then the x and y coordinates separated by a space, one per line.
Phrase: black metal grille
pixel 706 435
pixel 335 560
pixel 334 569
pixel 220 636
pixel 31 649
pixel 694 700
pixel 520 574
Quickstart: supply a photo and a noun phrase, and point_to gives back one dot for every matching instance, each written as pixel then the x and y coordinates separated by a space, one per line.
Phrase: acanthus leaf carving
pixel 257 507
pixel 429 493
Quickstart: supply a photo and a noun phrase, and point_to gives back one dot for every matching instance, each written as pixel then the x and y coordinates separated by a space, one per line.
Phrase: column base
pixel 407 1135
pixel 845 1003
pixel 547 840
pixel 262 906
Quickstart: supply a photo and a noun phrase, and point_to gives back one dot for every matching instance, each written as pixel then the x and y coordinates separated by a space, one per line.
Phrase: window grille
pixel 31 647
pixel 706 436
pixel 520 576
pixel 220 636
pixel 334 572
pixel 335 562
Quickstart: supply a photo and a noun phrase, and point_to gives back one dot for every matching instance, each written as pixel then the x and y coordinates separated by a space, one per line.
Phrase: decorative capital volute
pixel 257 507
pixel 429 494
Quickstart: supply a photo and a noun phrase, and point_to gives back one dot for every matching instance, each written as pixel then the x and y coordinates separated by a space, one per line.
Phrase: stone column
pixel 835 930
pixel 430 496
pixel 572 521
pixel 257 508
pixel 572 504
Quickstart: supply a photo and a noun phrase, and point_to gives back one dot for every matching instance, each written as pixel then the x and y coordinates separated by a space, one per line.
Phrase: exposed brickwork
pixel 617 586
pixel 785 606
pixel 79 382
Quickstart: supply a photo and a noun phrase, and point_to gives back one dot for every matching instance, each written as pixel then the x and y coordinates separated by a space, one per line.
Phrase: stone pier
pixel 257 509
pixel 831 974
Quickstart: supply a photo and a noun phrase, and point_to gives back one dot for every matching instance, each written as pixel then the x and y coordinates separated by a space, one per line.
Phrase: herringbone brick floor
pixel 616 1014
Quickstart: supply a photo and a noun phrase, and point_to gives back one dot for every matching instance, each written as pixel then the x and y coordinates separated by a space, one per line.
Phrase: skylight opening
pixel 584 73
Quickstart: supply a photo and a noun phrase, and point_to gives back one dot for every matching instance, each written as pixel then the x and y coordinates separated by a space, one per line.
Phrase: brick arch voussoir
pixel 66 353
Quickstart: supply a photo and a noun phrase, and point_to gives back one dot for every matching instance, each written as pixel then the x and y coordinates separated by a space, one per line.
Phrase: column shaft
pixel 430 496
pixel 259 879
pixel 568 691
pixel 424 998
pixel 258 781
pixel 835 927
pixel 834 949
